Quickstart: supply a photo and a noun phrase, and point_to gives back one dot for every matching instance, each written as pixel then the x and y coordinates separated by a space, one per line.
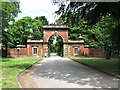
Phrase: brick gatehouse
pixel 40 47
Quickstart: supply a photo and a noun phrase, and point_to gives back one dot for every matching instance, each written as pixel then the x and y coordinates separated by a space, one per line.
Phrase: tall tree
pixel 19 30
pixel 42 19
pixel 93 13
pixel 22 28
pixel 9 12
pixel 38 22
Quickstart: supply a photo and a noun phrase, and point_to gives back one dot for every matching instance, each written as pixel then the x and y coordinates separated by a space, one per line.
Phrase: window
pixel 75 51
pixel 35 50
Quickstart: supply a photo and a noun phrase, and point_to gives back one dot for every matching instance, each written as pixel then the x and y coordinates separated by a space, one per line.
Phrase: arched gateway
pixel 40 47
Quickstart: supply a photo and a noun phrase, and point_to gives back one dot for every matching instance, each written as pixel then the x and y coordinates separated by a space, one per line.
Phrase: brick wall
pixel 13 52
pixel 71 50
pixel 81 49
pixel 30 49
pixel 97 52
pixel 94 52
pixel 40 50
pixel 86 51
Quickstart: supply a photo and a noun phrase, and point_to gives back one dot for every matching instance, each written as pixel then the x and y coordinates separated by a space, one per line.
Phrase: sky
pixel 35 8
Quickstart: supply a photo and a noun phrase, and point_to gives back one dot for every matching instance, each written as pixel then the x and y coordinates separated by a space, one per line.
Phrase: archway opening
pixel 55 46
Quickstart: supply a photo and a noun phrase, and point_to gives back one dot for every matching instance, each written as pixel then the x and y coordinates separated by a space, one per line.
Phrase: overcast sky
pixel 35 8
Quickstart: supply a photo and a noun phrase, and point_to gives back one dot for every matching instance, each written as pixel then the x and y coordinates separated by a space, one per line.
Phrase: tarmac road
pixel 59 72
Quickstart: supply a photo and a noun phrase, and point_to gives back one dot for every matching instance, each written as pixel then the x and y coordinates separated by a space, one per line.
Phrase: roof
pixel 75 41
pixel 20 46
pixel 34 41
pixel 55 26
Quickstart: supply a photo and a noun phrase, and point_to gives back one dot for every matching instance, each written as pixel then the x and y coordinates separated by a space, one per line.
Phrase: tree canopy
pixel 9 11
pixel 22 28
pixel 101 24
pixel 98 22
pixel 92 11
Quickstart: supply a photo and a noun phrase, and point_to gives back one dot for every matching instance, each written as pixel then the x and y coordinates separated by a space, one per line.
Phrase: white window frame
pixel 74 51
pixel 33 50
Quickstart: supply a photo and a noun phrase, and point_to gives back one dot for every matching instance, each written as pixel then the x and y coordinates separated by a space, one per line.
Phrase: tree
pixel 59 46
pixel 22 28
pixel 93 12
pixel 9 12
pixel 42 19
pixel 37 24
pixel 19 31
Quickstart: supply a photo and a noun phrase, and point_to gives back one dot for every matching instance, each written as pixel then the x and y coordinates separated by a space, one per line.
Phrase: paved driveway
pixel 58 72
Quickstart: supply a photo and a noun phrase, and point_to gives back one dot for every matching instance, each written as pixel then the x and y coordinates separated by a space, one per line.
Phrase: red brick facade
pixel 49 33
pixel 40 47
pixel 30 51
pixel 14 52
pixel 94 52
pixel 71 50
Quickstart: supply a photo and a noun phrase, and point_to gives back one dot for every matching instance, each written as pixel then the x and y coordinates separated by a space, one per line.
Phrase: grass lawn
pixel 109 66
pixel 11 67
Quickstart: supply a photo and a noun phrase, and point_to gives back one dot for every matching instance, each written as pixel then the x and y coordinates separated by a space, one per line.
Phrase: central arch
pixel 56 34
pixel 55 45
pixel 55 30
pixel 48 31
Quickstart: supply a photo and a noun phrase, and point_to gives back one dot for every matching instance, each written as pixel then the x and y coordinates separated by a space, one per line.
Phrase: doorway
pixel 55 46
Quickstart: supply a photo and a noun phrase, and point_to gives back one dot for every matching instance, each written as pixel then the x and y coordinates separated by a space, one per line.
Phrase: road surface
pixel 59 72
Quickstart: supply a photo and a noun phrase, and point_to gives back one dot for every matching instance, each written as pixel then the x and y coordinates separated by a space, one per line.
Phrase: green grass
pixel 109 66
pixel 12 66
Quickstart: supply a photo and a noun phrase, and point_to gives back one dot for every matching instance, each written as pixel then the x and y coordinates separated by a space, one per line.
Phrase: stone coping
pixel 55 26
pixel 69 41
pixel 33 41
pixel 20 46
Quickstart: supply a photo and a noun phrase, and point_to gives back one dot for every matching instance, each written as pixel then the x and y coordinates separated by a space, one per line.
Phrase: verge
pixel 21 72
pixel 117 76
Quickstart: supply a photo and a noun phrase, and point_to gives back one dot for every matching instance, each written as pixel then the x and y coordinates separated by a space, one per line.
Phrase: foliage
pixel 12 66
pixel 9 12
pixel 100 63
pixel 18 31
pixel 101 32
pixel 22 28
pixel 59 45
pixel 51 45
pixel 42 19
pixel 94 13
pixel 38 22
pixel 95 35
pixel 103 22
pixel 77 25
pixel 56 47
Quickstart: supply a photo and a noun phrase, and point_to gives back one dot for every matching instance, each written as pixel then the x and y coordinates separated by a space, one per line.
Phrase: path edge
pixel 18 75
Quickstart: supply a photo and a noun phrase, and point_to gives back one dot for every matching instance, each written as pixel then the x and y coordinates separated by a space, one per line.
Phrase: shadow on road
pixel 67 70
